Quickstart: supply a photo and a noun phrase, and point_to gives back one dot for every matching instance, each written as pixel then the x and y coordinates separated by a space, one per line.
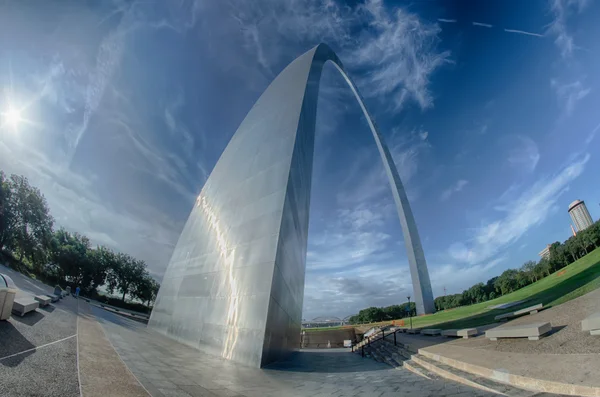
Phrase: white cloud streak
pixel 457 187
pixel 447 20
pixel 485 25
pixel 523 32
pixel 528 210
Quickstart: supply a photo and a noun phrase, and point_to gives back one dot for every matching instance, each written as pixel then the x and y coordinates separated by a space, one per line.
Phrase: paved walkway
pixel 102 373
pixel 168 368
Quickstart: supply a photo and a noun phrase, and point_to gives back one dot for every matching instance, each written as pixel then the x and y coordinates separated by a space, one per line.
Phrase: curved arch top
pixel 235 283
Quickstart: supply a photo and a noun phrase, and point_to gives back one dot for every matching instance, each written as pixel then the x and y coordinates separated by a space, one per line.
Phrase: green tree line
pixel 561 255
pixel 27 235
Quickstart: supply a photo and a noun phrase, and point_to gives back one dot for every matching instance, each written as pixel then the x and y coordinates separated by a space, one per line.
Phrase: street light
pixel 409 311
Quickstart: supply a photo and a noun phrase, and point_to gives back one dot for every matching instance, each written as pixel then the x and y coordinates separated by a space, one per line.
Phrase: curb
pixel 523 382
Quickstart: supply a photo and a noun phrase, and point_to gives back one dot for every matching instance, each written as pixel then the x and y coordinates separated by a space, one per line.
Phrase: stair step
pixel 468 378
pixel 418 369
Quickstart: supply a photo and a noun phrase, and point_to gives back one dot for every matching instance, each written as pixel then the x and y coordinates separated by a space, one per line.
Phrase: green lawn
pixel 575 280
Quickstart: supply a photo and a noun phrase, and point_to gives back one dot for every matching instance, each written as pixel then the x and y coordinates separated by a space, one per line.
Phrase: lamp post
pixel 409 311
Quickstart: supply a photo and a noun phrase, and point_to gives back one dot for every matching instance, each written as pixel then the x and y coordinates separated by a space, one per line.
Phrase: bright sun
pixel 13 117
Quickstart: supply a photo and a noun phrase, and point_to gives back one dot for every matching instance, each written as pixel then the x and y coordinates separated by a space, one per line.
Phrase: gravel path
pixel 566 337
pixel 38 352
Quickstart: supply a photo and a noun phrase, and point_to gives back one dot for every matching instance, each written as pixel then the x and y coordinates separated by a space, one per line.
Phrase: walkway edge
pixel 102 370
pixel 524 382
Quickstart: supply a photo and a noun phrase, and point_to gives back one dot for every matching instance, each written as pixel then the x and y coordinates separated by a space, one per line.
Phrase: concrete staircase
pixel 401 355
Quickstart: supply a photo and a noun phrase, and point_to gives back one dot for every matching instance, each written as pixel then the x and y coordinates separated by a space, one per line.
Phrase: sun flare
pixel 13 117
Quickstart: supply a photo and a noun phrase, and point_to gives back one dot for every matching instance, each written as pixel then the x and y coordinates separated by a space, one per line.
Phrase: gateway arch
pixel 235 283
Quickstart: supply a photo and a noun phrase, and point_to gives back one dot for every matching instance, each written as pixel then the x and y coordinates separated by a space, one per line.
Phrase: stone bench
pixel 431 331
pixel 43 300
pixel 464 333
pixel 531 310
pixel 413 331
pixel 532 331
pixel 592 324
pixel 53 298
pixel 21 306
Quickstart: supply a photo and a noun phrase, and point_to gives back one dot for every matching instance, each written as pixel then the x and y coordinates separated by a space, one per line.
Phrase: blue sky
pixel 489 108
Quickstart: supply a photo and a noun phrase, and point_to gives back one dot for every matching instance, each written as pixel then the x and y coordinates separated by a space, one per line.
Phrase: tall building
pixel 545 253
pixel 580 215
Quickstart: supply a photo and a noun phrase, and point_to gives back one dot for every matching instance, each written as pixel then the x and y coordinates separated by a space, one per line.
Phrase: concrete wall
pixel 319 339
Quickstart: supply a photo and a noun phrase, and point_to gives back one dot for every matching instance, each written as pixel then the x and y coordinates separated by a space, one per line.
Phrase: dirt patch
pixel 561 273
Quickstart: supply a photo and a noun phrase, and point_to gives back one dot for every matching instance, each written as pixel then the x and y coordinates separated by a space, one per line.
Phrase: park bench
pixel 413 330
pixel 22 306
pixel 464 333
pixel 528 310
pixel 532 331
pixel 43 300
pixel 592 324
pixel 431 331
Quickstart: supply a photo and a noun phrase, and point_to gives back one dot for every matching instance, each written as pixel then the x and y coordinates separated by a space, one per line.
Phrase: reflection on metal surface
pixel 235 283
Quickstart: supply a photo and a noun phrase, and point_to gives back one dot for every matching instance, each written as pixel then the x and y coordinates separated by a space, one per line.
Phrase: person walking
pixel 77 292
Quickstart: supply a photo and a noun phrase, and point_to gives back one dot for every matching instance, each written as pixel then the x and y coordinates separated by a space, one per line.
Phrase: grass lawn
pixel 577 279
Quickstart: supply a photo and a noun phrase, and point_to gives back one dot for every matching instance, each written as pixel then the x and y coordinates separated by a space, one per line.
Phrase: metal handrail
pixel 369 340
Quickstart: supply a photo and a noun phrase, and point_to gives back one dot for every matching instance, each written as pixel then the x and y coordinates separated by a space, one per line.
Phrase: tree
pixel 32 220
pixel 124 274
pixel 7 223
pixel 527 268
pixel 507 282
pixel 146 289
pixel 98 262
pixel 70 252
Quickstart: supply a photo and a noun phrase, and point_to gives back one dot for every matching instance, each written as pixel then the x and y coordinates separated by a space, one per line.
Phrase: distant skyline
pixel 489 109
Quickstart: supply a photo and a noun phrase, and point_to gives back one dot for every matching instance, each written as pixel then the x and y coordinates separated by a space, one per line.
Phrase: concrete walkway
pixel 168 368
pixel 102 372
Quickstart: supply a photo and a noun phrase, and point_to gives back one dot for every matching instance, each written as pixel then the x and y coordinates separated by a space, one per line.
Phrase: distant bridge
pixel 322 322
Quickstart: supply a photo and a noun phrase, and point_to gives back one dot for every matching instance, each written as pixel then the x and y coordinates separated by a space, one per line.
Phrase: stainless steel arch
pixel 235 283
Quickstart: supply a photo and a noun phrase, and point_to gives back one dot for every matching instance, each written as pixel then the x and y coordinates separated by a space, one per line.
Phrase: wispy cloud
pixel 447 20
pixel 523 32
pixel 485 25
pixel 521 214
pixel 107 61
pixel 351 239
pixel 561 9
pixel 457 187
pixel 366 179
pixel 401 53
pixel 569 94
pixel 455 278
pixel 592 135
pixel 525 155
pixel 399 48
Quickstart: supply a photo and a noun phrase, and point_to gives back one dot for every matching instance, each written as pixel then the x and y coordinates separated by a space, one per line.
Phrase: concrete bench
pixel 592 324
pixel 53 298
pixel 531 310
pixel 464 333
pixel 532 331
pixel 21 306
pixel 431 331
pixel 43 300
pixel 413 331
